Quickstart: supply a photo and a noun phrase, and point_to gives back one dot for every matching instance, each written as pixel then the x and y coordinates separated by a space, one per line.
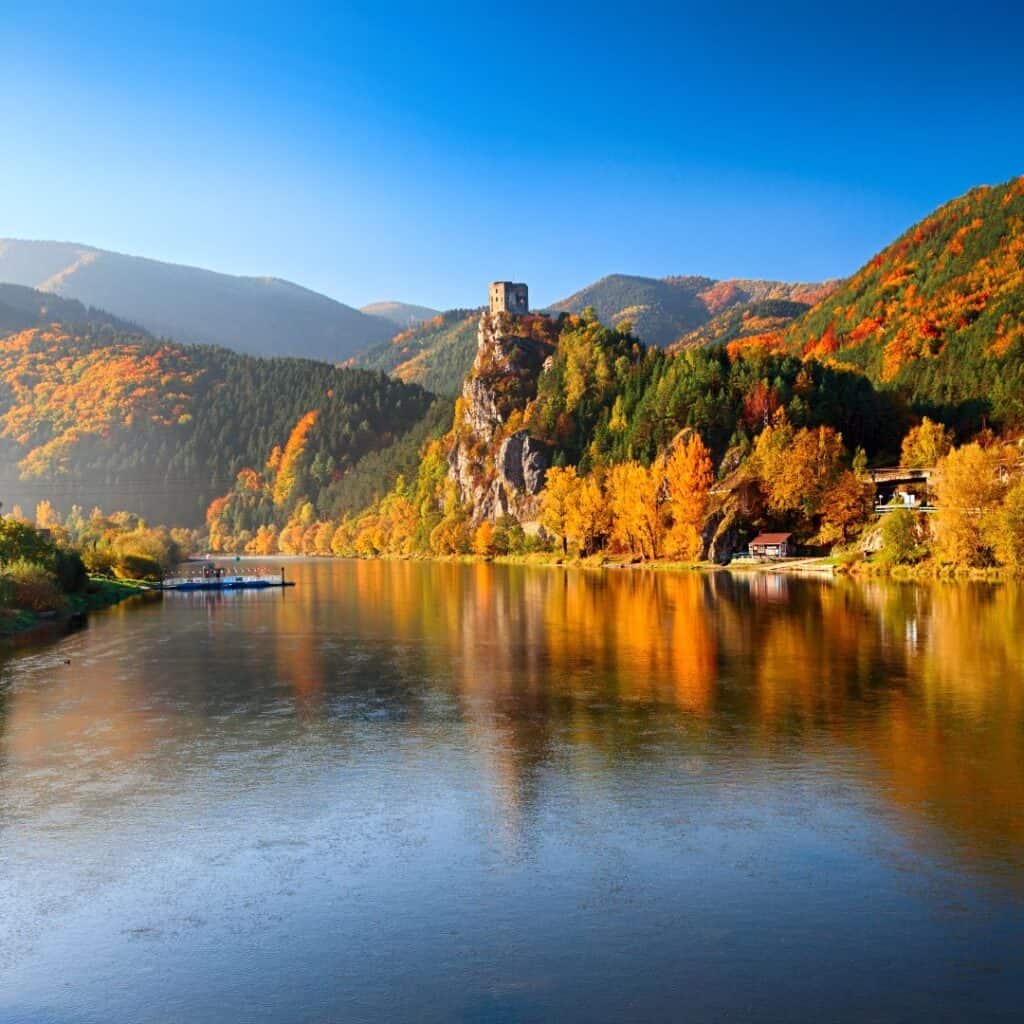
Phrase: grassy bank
pixel 98 593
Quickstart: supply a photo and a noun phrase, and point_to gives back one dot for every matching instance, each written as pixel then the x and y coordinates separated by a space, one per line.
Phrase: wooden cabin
pixel 772 545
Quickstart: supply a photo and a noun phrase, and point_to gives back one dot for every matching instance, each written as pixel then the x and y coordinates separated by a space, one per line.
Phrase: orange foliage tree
pixel 688 475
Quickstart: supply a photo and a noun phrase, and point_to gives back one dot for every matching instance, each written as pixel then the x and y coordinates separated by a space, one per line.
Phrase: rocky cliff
pixel 498 466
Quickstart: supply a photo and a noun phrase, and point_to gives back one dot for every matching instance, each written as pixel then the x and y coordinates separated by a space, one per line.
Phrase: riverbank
pixel 553 559
pixel 928 570
pixel 21 624
pixel 820 565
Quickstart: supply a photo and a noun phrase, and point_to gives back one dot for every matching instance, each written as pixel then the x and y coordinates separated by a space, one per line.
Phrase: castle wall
pixel 509 297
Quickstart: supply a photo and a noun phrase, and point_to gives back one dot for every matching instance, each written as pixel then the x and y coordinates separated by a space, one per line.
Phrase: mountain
pixel 436 354
pixel 256 315
pixel 662 310
pixel 938 315
pixel 90 413
pixel 402 314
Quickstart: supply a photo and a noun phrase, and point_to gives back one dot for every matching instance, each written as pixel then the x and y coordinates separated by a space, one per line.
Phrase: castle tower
pixel 509 297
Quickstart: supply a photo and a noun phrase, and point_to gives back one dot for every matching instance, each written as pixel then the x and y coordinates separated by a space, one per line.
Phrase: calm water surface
pixel 412 792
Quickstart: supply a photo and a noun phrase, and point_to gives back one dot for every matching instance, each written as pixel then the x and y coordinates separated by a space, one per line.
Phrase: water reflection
pixel 919 687
pixel 558 782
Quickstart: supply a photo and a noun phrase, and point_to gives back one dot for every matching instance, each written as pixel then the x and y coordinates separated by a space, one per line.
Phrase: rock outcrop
pixel 498 468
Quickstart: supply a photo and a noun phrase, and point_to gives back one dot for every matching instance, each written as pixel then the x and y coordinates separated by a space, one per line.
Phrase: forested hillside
pixel 750 318
pixel 568 414
pixel 436 354
pixel 259 315
pixel 663 310
pixel 22 307
pixel 939 314
pixel 93 415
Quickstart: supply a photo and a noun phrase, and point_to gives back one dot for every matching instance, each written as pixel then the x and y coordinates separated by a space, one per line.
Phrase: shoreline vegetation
pixel 100 593
pixel 52 577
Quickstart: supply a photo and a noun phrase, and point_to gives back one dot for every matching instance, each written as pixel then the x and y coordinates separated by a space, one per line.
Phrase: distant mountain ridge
pixel 663 310
pixel 254 315
pixel 403 314
pixel 22 307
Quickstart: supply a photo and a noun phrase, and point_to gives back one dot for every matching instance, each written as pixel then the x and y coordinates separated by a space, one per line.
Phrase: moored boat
pixel 215 577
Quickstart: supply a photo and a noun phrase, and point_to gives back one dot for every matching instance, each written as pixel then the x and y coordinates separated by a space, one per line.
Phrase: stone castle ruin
pixel 509 297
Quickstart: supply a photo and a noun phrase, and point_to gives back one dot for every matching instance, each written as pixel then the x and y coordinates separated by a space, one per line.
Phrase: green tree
pixel 899 532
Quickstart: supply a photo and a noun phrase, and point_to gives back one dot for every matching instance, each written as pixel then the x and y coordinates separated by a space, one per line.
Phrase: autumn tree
pixel 589 518
pixel 1005 528
pixel 925 444
pixel 688 475
pixel 556 502
pixel 968 491
pixel 845 507
pixel 797 467
pixel 633 492
pixel 292 469
pixel 451 536
pixel 900 537
pixel 342 541
pixel 46 516
pixel 483 539
pixel 264 542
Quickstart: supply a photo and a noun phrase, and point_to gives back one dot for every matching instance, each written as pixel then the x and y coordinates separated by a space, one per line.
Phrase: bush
pixel 153 545
pixel 900 542
pixel 137 567
pixel 99 560
pixel 70 571
pixel 30 585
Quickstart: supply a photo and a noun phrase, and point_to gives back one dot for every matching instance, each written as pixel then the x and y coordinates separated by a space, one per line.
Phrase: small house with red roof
pixel 772 545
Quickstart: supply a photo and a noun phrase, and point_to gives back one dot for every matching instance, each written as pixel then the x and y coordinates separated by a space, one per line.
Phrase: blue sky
pixel 418 151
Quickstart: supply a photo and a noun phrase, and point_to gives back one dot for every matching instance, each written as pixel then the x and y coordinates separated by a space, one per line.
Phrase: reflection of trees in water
pixel 556 673
pixel 926 681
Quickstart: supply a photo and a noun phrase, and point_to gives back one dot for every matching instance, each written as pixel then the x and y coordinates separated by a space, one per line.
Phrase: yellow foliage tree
pixel 925 444
pixel 46 516
pixel 968 492
pixel 323 531
pixel 343 540
pixel 797 466
pixel 633 492
pixel 1006 528
pixel 589 518
pixel 451 535
pixel 265 541
pixel 556 502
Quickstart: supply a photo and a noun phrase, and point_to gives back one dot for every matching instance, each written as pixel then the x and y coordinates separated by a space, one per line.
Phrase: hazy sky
pixel 417 151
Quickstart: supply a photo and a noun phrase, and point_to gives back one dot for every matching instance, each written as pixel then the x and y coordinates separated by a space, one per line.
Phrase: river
pixel 432 792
